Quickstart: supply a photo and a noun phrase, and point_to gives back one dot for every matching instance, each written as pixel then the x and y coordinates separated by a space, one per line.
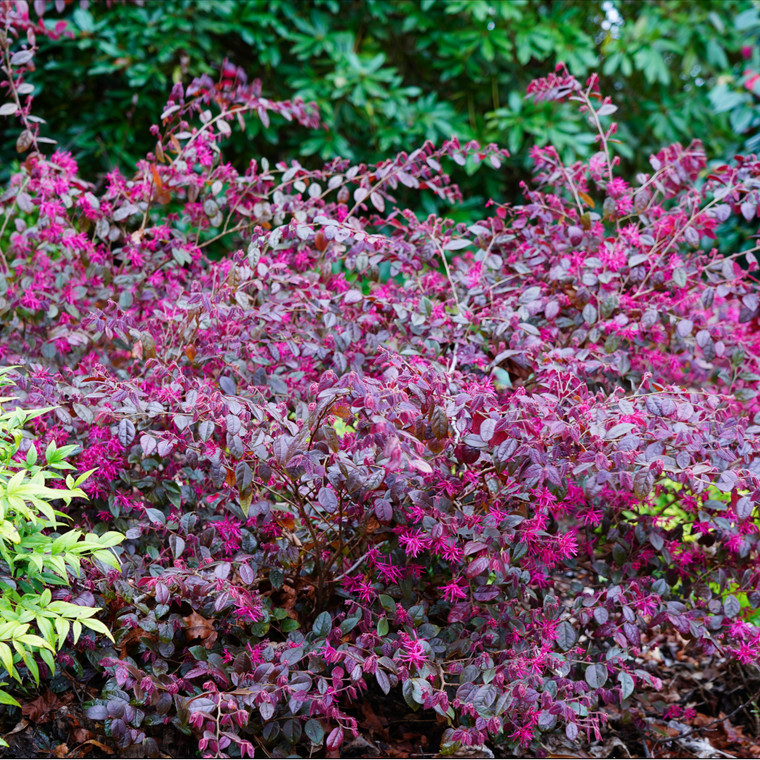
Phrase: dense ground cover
pixel 363 459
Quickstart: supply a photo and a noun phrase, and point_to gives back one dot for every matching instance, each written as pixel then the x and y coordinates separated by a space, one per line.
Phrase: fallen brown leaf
pixel 372 722
pixel 402 749
pixel 199 627
pixel 99 745
pixel 734 734
pixel 20 726
pixel 133 637
pixel 38 710
pixel 81 735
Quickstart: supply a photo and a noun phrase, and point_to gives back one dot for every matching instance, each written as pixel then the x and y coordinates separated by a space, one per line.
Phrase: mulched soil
pixel 724 698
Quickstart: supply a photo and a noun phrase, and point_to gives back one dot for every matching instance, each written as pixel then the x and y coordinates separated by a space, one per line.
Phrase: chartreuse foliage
pixel 36 553
pixel 355 452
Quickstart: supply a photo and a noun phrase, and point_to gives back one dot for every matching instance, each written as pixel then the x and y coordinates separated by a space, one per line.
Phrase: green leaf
pixel 32 640
pixel 107 558
pixel 65 541
pixel 626 684
pixel 387 603
pixel 47 630
pixel 6 658
pixel 7 699
pixel 322 625
pixel 97 625
pixel 596 675
pixel 566 636
pixel 314 731
pixel 33 668
pixel 48 659
pixel 9 532
pixel 350 623
pixel 62 628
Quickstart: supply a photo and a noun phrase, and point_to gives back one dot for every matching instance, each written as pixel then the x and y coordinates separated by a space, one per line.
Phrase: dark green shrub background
pixel 388 74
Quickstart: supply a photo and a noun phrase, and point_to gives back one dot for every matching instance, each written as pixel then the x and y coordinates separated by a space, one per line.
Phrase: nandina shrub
pixel 37 554
pixel 361 453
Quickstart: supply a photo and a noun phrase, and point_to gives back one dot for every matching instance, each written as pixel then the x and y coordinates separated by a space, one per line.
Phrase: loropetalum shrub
pixel 356 452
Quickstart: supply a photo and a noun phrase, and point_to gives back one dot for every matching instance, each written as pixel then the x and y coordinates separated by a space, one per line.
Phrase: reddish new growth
pixel 353 449
pixel 556 86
